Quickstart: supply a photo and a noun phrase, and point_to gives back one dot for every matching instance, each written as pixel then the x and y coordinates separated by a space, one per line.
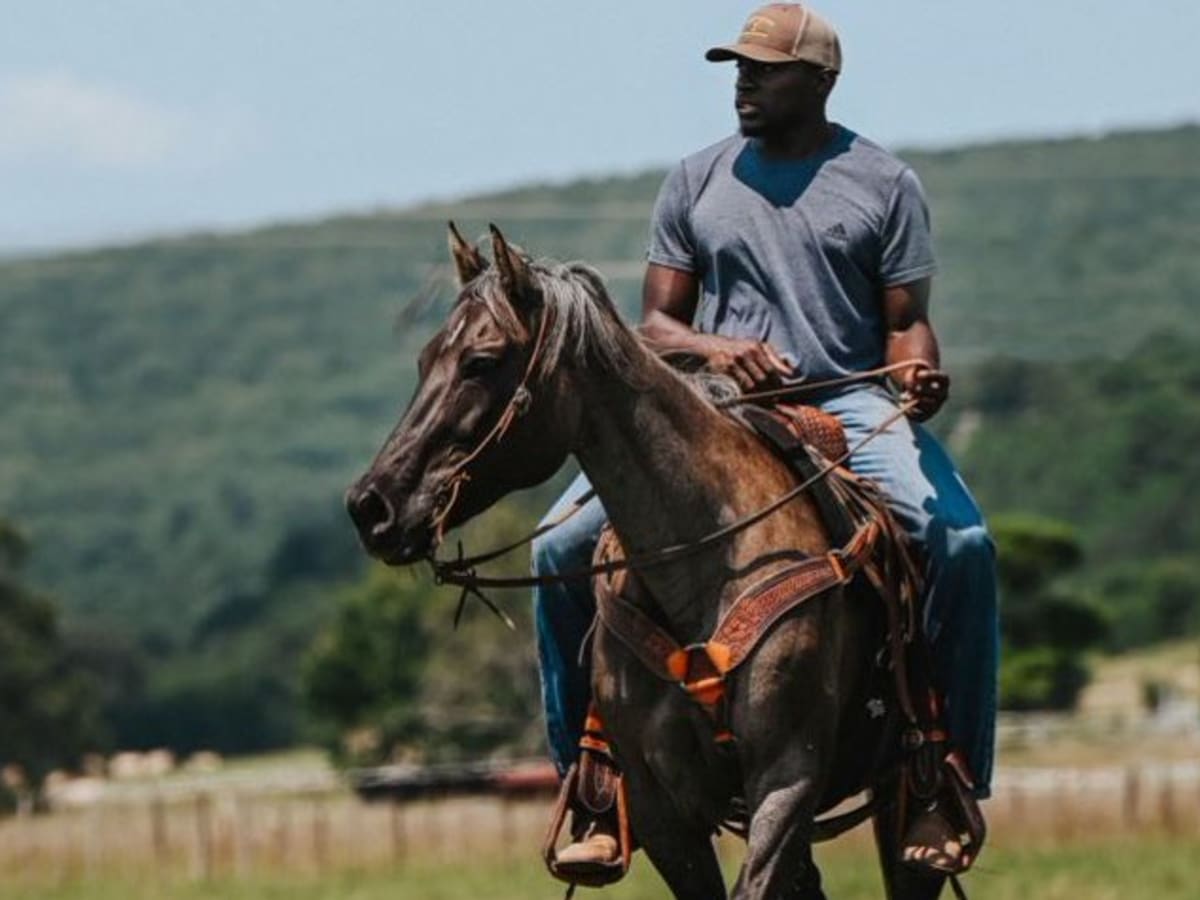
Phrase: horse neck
pixel 670 469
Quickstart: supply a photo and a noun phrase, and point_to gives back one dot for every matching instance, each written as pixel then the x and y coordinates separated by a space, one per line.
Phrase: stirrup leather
pixel 593 789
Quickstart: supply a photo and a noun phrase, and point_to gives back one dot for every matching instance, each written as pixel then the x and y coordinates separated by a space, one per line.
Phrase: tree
pixel 391 668
pixel 1044 626
pixel 364 670
pixel 49 709
pixel 1173 586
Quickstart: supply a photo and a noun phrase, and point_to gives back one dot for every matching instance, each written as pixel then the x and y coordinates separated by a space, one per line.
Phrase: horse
pixel 534 364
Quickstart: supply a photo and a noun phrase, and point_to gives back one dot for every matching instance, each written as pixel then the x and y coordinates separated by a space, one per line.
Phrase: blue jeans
pixel 928 498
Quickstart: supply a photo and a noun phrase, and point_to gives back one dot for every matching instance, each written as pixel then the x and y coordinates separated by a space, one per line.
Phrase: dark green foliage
pixel 1109 446
pixel 1034 551
pixel 1041 678
pixel 188 400
pixel 1152 601
pixel 233 684
pixel 1066 248
pixel 1174 588
pixel 178 419
pixel 391 667
pixel 48 700
pixel 1044 628
pixel 367 666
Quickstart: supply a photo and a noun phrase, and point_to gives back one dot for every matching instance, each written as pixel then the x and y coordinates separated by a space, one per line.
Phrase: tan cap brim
pixel 756 52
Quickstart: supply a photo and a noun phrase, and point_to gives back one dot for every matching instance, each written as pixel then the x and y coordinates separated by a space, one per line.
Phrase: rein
pixel 457 570
pixel 461 572
pixel 802 387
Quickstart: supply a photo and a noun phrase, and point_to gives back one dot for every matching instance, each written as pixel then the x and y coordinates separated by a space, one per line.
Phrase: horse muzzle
pixel 381 529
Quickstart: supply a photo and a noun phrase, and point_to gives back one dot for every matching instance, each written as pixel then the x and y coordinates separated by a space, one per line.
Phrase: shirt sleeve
pixel 907 239
pixel 671 240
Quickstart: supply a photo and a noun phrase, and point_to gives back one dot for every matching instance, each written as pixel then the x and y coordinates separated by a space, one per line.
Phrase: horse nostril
pixel 371 511
pixel 385 516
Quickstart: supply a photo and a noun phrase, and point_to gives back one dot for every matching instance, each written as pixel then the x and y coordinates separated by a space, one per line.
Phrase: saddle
pixel 869 544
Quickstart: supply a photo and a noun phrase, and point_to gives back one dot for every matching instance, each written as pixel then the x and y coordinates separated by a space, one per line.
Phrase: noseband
pixel 517 406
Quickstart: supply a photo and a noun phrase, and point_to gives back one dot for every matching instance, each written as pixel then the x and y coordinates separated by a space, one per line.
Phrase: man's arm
pixel 669 298
pixel 910 336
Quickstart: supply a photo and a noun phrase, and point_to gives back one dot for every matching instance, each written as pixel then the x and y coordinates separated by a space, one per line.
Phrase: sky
pixel 122 119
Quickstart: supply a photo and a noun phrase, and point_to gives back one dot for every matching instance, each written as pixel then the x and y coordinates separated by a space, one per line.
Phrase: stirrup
pixel 947 814
pixel 593 790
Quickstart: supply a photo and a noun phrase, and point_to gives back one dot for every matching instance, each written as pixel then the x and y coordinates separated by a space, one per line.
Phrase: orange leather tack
pixel 707 691
pixel 720 654
pixel 677 665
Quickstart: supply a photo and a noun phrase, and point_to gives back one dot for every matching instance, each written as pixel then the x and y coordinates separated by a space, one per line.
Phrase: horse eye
pixel 479 364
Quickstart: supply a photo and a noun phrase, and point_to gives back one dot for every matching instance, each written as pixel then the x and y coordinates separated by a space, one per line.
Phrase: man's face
pixel 775 97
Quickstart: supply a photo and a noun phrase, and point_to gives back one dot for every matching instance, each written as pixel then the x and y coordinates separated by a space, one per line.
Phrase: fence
pixel 239 832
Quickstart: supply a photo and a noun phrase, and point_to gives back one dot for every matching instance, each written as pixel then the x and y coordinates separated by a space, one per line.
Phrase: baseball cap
pixel 784 32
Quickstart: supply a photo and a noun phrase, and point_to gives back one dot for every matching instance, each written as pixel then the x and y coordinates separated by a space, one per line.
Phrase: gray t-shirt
pixel 796 252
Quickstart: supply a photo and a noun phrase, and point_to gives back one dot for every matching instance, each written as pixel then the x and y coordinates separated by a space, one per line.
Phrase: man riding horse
pixel 799 249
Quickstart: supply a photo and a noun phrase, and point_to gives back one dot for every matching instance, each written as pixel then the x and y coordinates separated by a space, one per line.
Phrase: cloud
pixel 56 115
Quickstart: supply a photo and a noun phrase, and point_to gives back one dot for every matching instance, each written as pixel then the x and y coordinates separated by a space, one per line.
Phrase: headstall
pixel 517 406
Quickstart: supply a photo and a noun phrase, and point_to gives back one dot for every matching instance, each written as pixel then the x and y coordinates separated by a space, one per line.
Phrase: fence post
pixel 93 834
pixel 1130 799
pixel 320 826
pixel 1064 807
pixel 159 836
pixel 1166 803
pixel 1017 805
pixel 204 837
pixel 399 831
pixel 508 826
pixel 243 835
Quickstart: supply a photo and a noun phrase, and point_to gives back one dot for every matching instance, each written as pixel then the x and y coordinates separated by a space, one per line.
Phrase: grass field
pixel 1089 807
pixel 1145 868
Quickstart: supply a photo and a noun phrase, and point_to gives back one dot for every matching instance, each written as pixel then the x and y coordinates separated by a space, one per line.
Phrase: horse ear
pixel 468 261
pixel 515 276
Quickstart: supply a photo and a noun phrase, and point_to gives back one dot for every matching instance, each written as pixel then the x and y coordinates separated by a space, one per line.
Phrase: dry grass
pixel 1117 681
pixel 329 844
pixel 1143 868
pixel 1090 807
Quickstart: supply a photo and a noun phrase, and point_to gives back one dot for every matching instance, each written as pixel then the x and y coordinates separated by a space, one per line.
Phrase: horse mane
pixel 585 327
pixel 584 323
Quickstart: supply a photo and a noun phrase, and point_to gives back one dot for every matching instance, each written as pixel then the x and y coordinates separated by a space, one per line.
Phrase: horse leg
pixel 900 882
pixel 784 708
pixel 681 850
pixel 779 863
pixel 668 780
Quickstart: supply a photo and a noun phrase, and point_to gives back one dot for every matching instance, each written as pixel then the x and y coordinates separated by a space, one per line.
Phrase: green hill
pixel 173 413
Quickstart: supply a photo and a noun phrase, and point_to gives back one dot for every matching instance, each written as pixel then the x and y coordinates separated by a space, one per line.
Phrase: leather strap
pixel 747 621
pixel 756 611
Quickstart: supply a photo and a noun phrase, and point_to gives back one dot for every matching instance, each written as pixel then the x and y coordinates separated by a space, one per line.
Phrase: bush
pixel 1043 678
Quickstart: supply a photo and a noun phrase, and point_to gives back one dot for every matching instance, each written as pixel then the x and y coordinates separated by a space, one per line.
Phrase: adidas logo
pixel 837 232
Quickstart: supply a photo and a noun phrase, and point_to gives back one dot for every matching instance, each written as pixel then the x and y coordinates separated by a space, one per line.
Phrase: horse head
pixel 486 417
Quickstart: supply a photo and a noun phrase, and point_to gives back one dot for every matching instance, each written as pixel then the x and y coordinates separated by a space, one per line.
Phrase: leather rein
pixel 461 570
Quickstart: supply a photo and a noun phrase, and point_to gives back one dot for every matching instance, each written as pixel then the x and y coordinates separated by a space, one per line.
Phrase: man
pixel 798 249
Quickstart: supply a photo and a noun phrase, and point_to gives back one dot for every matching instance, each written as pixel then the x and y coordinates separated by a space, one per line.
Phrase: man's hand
pixel 756 365
pixel 911 337
pixel 927 386
pixel 669 298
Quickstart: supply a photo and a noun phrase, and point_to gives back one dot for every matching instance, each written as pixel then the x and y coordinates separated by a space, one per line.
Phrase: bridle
pixel 518 405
